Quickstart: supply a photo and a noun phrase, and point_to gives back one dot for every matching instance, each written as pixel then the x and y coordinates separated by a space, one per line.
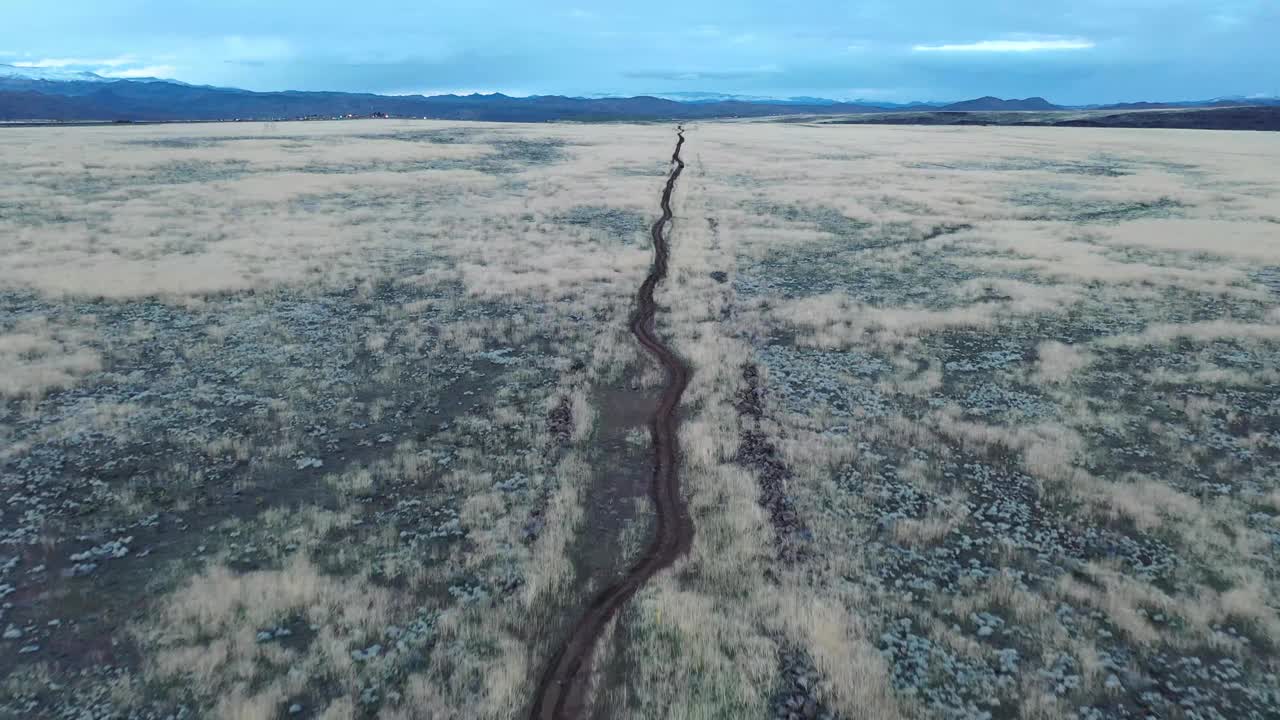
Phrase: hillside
pixel 994 103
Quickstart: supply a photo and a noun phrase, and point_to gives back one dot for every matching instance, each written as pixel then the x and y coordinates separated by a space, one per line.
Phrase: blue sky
pixel 1070 51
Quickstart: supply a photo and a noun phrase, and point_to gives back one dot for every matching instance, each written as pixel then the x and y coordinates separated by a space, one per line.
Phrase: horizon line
pixel 669 95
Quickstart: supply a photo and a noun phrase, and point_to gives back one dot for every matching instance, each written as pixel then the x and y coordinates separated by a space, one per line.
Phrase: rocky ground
pixel 1063 509
pixel 209 454
pixel 982 423
pixel 345 496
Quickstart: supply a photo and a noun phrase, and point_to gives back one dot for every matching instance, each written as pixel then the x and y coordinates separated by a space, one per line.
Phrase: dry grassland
pixel 343 420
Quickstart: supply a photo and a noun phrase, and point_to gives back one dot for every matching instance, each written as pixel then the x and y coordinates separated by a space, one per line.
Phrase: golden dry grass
pixel 1017 302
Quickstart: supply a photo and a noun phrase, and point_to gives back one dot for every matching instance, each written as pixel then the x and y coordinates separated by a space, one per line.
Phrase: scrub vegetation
pixel 346 420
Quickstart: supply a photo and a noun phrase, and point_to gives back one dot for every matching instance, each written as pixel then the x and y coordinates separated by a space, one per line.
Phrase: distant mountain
pixel 711 97
pixel 1249 117
pixel 1141 105
pixel 10 72
pixel 58 95
pixel 52 81
pixel 913 105
pixel 705 97
pixel 28 98
pixel 988 104
pixel 1216 102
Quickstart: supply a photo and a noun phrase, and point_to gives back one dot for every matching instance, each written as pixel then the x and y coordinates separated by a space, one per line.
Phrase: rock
pixel 368 653
pixel 720 276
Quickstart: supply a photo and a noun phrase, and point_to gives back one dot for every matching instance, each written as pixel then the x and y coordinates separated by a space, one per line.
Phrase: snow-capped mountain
pixel 13 72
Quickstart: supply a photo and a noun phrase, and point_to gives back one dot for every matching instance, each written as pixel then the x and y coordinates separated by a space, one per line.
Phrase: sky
pixel 1071 52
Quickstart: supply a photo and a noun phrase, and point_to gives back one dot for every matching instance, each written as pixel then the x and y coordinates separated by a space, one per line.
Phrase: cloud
pixel 156 71
pixel 75 62
pixel 1005 46
pixel 762 71
pixel 256 47
pixel 876 93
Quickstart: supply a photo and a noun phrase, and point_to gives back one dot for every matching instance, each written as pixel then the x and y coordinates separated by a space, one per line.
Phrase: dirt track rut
pixel 561 691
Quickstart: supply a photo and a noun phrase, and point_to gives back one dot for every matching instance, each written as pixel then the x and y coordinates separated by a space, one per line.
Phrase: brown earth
pixel 561 691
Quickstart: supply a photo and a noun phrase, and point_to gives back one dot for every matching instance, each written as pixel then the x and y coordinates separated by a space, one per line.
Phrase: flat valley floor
pixel 346 420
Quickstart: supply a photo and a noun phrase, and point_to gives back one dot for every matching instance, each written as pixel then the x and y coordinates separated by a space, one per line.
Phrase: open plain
pixel 348 420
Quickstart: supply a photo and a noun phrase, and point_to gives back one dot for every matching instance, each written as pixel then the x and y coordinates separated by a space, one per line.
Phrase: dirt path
pixel 562 688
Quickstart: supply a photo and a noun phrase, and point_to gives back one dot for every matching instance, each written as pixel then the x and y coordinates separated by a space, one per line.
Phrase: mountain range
pixel 56 95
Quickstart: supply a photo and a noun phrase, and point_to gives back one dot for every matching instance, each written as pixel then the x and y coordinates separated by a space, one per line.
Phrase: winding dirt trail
pixel 561 691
